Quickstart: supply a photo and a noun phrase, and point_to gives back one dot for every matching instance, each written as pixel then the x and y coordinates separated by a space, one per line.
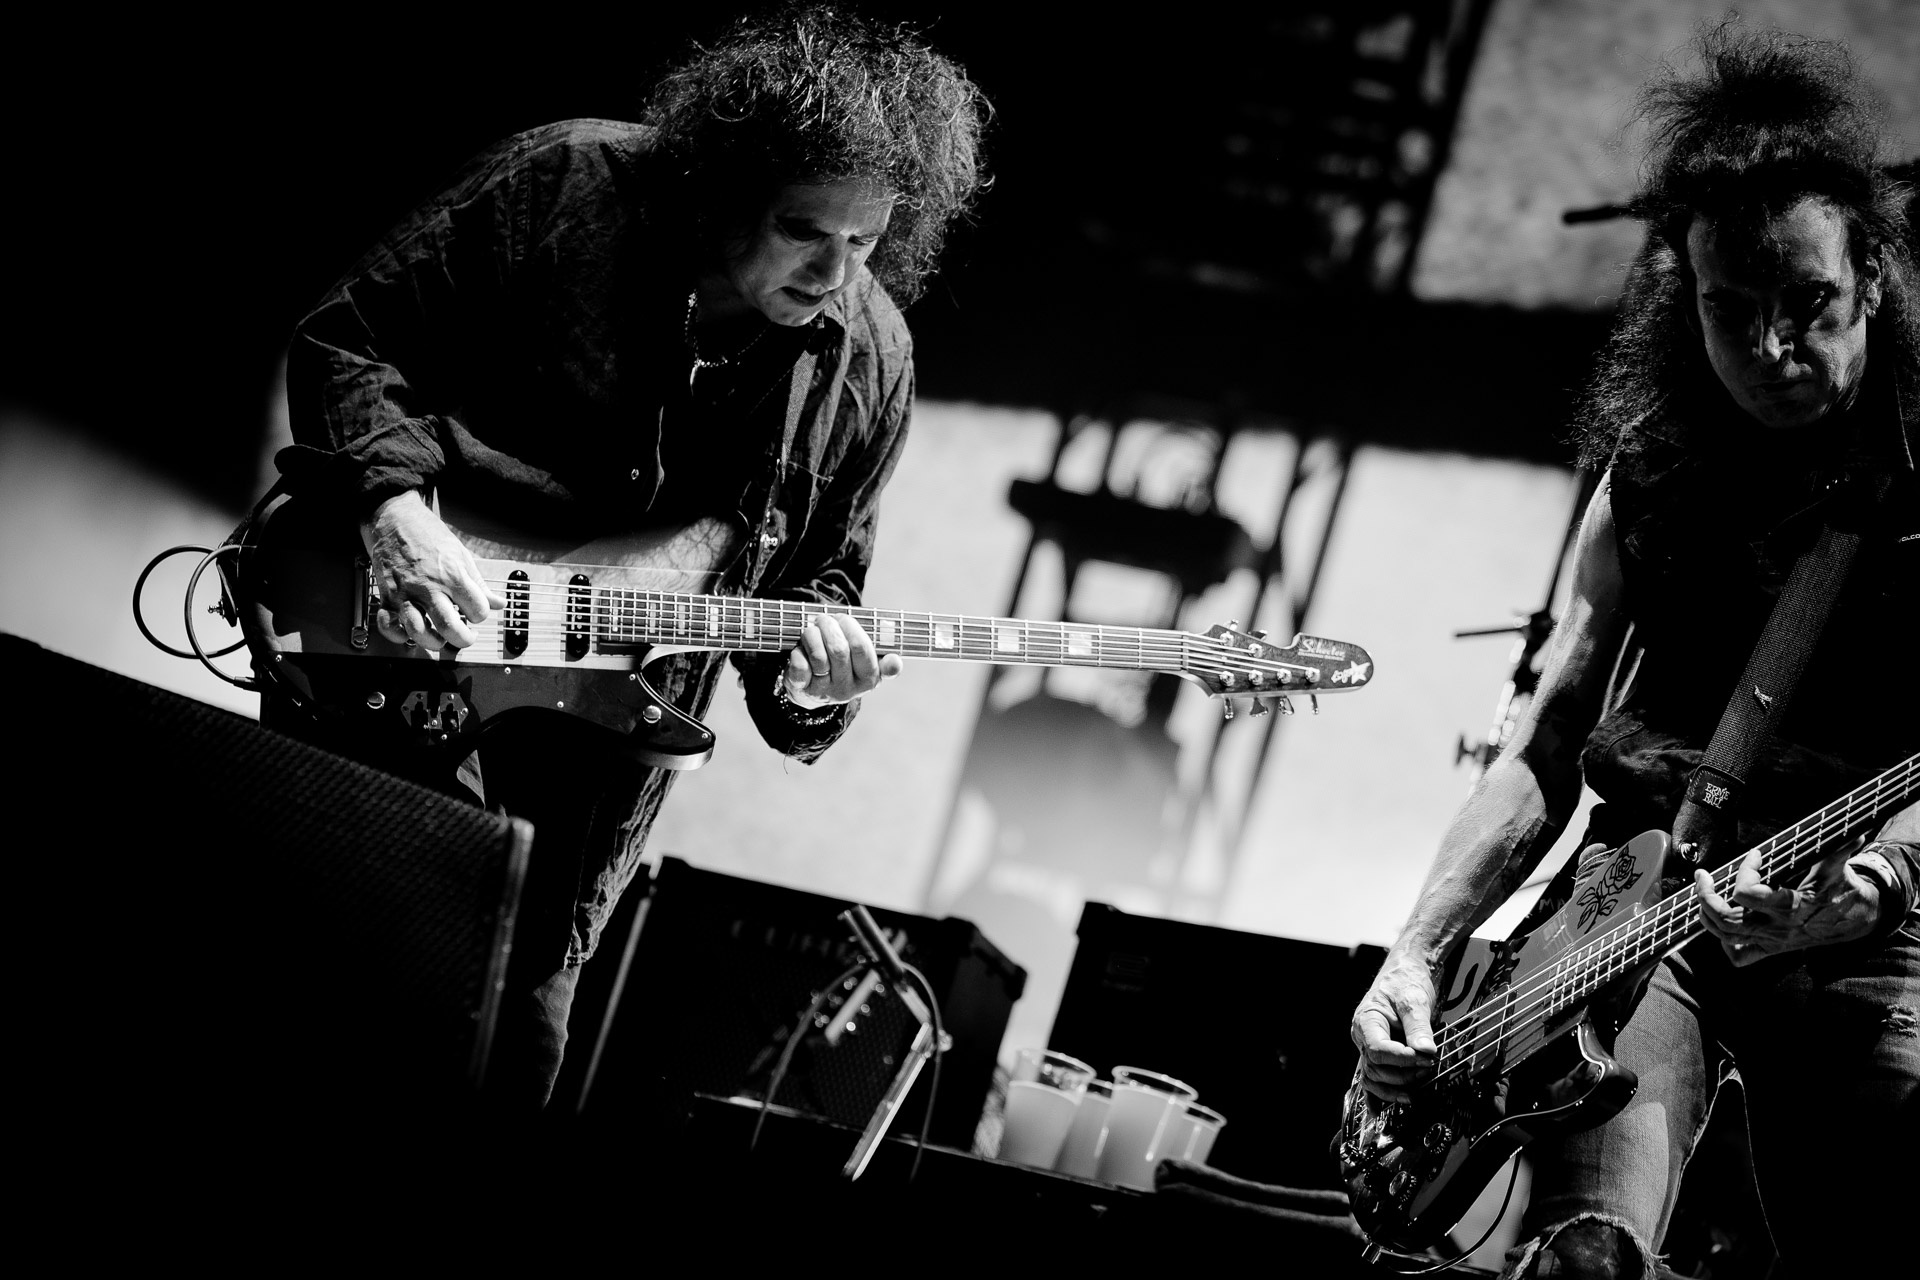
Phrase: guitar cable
pixel 939 1052
pixel 139 588
pixel 805 1021
pixel 1448 1264
pixel 798 1033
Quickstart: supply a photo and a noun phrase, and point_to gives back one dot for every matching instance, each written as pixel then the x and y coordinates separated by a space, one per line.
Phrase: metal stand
pixel 927 1041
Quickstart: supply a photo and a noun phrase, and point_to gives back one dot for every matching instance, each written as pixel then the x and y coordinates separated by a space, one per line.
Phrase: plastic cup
pixel 1080 1153
pixel 1143 1102
pixel 1191 1134
pixel 1042 1100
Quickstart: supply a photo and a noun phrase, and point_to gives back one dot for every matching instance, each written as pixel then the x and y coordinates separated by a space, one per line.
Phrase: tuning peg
pixel 1258 707
pixel 1313 700
pixel 1226 708
pixel 1286 705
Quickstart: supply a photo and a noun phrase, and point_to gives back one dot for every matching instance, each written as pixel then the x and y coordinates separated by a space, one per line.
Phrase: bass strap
pixel 1760 700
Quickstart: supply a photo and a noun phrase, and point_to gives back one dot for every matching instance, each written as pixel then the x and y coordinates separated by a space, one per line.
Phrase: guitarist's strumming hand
pixel 835 662
pixel 1393 1027
pixel 428 582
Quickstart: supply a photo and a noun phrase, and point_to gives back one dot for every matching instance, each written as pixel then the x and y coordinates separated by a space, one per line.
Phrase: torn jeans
pixel 1828 1049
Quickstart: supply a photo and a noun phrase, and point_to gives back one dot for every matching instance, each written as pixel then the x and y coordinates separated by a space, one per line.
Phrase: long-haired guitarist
pixel 1763 380
pixel 686 324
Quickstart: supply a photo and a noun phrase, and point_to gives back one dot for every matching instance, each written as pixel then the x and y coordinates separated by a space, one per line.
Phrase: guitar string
pixel 1642 938
pixel 1668 924
pixel 972 632
pixel 636 603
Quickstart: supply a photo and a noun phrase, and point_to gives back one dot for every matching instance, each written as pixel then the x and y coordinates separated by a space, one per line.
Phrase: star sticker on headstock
pixel 1352 673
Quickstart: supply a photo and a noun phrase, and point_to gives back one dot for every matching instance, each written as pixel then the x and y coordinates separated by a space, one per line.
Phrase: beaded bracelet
pixel 806 716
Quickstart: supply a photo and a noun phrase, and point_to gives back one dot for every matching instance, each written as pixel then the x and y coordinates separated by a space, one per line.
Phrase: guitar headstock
pixel 1232 662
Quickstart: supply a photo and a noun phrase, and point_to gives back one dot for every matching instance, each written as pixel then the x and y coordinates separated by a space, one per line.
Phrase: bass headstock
pixel 1231 662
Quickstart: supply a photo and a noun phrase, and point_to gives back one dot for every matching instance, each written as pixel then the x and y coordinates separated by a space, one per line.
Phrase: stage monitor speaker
pixel 1257 1024
pixel 713 973
pixel 227 931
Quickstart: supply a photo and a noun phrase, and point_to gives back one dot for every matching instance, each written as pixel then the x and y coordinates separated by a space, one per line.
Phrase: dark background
pixel 181 190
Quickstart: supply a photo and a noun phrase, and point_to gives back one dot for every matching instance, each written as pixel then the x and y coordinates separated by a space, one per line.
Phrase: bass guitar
pixel 1520 1053
pixel 578 631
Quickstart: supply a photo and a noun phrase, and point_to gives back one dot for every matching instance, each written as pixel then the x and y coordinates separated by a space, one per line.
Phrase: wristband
pixel 808 716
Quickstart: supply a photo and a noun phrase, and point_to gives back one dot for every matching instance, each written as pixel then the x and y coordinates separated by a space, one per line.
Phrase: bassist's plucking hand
pixel 428 581
pixel 1393 1027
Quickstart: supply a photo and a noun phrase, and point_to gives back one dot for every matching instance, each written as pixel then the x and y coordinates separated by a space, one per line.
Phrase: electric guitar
pixel 578 631
pixel 1520 1054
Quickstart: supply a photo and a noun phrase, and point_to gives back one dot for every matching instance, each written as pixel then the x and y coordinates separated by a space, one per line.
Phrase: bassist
pixel 1763 381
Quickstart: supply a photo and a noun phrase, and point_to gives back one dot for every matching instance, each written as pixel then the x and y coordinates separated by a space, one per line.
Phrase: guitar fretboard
pixel 1516 1023
pixel 733 622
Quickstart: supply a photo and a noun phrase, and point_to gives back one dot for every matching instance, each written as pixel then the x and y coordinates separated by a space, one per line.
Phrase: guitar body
pixel 302 588
pixel 1414 1168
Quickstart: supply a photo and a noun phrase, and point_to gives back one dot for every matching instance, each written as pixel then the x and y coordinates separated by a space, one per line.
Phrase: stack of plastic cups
pixel 1080 1153
pixel 1043 1098
pixel 1143 1104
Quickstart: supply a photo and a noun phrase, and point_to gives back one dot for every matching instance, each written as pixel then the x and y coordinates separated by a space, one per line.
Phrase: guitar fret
pixel 627 616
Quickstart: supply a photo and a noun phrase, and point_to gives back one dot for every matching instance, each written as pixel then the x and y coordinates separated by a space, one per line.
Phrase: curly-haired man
pixel 688 324
pixel 1763 381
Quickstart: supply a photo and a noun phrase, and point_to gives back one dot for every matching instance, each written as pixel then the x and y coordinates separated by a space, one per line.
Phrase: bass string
pixel 1672 922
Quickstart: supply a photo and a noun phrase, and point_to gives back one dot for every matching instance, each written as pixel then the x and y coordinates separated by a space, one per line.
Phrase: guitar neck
pixel 660 618
pixel 1675 920
pixel 1517 1023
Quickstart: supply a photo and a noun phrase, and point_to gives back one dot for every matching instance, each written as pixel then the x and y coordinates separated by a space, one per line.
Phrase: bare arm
pixel 1511 819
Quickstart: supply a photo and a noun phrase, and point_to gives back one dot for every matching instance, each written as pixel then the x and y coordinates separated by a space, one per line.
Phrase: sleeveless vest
pixel 1709 519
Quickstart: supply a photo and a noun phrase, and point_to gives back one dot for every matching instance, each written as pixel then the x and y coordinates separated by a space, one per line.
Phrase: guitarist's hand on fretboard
pixel 835 662
pixel 428 581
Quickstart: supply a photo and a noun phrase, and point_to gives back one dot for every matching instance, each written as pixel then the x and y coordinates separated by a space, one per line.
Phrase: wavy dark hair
pixel 814 95
pixel 1766 119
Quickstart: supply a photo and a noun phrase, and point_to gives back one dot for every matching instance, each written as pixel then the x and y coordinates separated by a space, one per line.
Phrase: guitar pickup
pixel 579 616
pixel 517 620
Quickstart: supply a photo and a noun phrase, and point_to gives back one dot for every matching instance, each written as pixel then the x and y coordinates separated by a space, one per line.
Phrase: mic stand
pixel 926 1041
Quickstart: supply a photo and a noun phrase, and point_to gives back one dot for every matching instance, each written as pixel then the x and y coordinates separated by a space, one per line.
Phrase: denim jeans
pixel 1828 1049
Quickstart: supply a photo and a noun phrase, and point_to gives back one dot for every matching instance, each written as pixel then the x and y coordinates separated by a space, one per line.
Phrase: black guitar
pixel 580 626
pixel 1519 1054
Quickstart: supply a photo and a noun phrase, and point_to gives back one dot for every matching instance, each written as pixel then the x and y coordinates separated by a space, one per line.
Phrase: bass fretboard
pixel 1517 1023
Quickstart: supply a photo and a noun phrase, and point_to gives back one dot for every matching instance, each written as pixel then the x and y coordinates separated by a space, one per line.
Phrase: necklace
pixel 693 343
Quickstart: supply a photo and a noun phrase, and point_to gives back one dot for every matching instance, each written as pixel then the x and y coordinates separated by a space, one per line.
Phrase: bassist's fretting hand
pixel 428 582
pixel 1837 900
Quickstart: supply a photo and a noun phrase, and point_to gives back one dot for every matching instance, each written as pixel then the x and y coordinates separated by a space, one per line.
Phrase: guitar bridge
pixel 363 603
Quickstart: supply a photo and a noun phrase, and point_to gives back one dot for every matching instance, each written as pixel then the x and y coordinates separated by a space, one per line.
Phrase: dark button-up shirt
pixel 519 342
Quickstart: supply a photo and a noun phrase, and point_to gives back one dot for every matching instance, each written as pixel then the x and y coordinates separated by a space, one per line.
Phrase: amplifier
pixel 233 934
pixel 1257 1024
pixel 713 973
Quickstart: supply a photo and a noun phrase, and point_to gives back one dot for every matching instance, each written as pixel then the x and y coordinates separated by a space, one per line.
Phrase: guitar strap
pixel 1715 789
